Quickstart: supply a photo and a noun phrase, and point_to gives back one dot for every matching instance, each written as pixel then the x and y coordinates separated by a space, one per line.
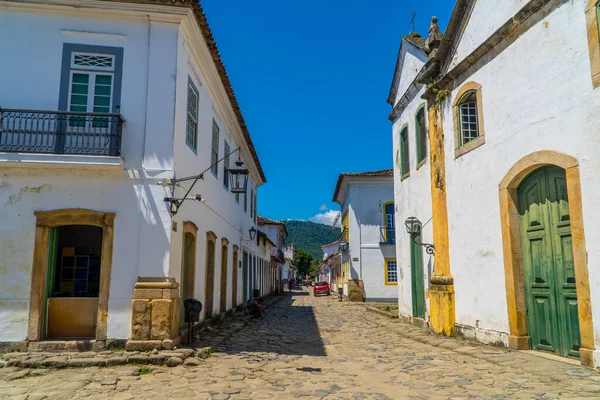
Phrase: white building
pixel 368 259
pixel 289 266
pixel 80 191
pixel 276 231
pixel 512 99
pixel 331 263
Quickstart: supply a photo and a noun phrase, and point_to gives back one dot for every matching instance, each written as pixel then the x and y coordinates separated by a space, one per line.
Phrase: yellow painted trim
pixel 592 26
pixel 513 268
pixel 480 140
pixel 188 228
pixel 45 220
pixel 385 276
pixel 441 293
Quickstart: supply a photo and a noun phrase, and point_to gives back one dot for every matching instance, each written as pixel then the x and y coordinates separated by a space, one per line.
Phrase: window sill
pixel 403 177
pixel 421 163
pixel 472 145
pixel 391 284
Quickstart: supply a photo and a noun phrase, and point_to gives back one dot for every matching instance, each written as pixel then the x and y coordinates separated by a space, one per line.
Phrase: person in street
pixel 290 284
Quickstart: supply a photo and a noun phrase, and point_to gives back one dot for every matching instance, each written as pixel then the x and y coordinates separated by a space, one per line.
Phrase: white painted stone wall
pixel 153 149
pixel 411 59
pixel 537 95
pixel 412 199
pixel 486 18
pixel 365 198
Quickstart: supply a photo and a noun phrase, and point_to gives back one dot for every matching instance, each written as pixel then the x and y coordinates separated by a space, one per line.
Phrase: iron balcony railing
pixel 60 132
pixel 387 235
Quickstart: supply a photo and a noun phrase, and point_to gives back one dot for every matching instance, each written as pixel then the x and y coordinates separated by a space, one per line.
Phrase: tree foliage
pixel 310 236
pixel 303 262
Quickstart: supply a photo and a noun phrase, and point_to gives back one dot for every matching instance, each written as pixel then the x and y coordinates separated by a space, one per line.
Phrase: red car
pixel 321 287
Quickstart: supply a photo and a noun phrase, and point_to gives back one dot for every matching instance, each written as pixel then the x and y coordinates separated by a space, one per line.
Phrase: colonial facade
pixel 276 232
pixel 368 252
pixel 511 97
pixel 331 264
pixel 289 266
pixel 130 96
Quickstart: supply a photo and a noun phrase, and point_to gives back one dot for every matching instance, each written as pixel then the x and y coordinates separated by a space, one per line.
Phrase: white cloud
pixel 328 218
pixel 323 208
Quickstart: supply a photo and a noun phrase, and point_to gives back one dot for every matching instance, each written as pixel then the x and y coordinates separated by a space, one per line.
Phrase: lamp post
pixel 414 227
pixel 252 233
pixel 238 177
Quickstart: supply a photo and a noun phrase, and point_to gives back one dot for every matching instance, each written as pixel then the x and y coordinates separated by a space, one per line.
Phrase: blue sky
pixel 312 79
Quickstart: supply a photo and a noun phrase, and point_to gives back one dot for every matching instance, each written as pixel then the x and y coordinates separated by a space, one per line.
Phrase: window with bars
pixel 404 154
pixel 191 137
pixel 468 123
pixel 421 135
pixel 214 155
pixel 391 272
pixel 226 165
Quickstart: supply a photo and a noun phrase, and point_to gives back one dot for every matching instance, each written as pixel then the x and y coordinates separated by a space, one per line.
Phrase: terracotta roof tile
pixel 267 221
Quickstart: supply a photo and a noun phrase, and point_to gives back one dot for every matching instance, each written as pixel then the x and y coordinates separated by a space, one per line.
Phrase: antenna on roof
pixel 412 20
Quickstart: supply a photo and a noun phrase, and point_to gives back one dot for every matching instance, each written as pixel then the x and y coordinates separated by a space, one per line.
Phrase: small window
pixel 421 133
pixel 214 155
pixel 246 201
pixel 255 204
pixel 467 119
pixel 226 166
pixel 391 272
pixel 252 203
pixel 405 163
pixel 191 137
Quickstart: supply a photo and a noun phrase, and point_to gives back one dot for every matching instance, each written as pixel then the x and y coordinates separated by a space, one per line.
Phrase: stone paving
pixel 318 348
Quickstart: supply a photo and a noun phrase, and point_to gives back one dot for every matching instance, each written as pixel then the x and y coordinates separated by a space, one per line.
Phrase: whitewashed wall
pixel 412 198
pixel 365 198
pixel 544 103
pixel 487 17
pixel 411 60
pixel 153 148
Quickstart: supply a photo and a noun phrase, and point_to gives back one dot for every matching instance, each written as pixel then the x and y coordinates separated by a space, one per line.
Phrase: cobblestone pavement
pixel 313 348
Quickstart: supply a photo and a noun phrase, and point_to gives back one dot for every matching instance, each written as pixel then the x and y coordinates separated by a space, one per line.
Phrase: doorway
pixel 188 266
pixel 417 281
pixel 210 274
pixel 234 276
pixel 548 267
pixel 72 282
pixel 224 260
pixel 245 276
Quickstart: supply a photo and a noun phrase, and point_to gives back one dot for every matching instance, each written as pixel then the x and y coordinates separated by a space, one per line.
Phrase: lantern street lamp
pixel 252 233
pixel 414 227
pixel 238 176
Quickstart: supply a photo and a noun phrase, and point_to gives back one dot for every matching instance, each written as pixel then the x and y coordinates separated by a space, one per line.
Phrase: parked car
pixel 321 287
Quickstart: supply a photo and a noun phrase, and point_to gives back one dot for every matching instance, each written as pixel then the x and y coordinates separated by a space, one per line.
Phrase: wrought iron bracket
pixel 429 248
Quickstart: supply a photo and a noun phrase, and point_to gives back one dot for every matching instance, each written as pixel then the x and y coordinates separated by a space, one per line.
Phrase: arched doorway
pixel 518 196
pixel 547 258
pixel 224 260
pixel 211 239
pixel 188 265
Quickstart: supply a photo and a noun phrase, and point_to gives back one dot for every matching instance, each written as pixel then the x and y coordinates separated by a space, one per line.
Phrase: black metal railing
pixel 60 132
pixel 387 235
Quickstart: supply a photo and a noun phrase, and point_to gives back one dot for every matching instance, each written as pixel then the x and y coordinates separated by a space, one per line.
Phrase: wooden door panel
pixel 542 321
pixel 569 327
pixel 539 274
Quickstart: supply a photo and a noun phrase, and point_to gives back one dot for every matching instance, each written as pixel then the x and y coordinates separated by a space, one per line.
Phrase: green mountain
pixel 310 236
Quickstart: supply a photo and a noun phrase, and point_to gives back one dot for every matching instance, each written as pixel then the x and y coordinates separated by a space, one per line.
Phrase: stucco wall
pixel 487 16
pixel 411 61
pixel 365 200
pixel 412 199
pixel 544 103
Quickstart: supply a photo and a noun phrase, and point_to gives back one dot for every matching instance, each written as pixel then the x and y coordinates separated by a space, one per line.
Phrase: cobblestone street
pixel 311 348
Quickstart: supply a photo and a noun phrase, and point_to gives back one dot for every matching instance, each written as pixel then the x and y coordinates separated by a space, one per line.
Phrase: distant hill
pixel 310 236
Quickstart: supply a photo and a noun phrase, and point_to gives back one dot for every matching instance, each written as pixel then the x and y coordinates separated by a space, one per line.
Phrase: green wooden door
pixel 416 273
pixel 245 276
pixel 548 269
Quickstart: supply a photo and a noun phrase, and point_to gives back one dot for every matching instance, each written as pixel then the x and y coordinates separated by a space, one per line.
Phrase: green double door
pixel 417 279
pixel 547 257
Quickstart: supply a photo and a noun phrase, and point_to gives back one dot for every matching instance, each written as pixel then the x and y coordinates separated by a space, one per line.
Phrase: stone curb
pixel 381 312
pixel 107 358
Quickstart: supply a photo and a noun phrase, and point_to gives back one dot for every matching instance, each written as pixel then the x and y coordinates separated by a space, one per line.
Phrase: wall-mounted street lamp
pixel 414 227
pixel 252 233
pixel 238 183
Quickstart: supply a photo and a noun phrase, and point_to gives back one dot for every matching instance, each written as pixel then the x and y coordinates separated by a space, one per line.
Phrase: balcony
pixel 60 132
pixel 387 236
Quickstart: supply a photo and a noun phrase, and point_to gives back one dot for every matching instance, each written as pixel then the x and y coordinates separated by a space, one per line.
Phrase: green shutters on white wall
pixel 91 83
